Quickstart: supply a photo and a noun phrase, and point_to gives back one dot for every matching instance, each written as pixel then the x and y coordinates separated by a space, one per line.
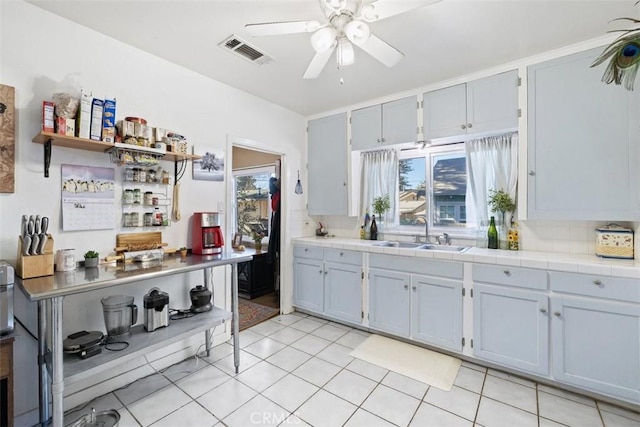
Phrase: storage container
pixel 614 241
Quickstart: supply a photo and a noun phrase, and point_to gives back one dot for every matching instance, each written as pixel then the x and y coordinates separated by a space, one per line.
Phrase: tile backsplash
pixel 575 237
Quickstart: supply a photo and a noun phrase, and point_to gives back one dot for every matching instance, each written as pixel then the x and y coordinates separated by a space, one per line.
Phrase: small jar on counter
pixel 137 197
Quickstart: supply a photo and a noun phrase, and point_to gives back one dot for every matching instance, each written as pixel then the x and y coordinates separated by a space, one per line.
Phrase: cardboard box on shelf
pixel 65 126
pixel 47 116
pixel 83 119
pixel 97 107
pixel 109 120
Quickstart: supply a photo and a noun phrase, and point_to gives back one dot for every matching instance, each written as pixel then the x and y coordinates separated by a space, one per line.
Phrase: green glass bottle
pixel 492 234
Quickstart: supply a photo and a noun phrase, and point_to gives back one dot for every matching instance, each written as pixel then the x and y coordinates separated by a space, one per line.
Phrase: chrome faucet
pixel 446 240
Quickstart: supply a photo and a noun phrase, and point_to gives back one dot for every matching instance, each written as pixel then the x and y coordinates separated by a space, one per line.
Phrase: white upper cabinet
pixel 327 164
pixel 393 122
pixel 583 139
pixel 483 105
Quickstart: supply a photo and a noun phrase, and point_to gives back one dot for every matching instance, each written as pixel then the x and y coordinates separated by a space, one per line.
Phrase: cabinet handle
pixel 532 173
pixel 469 125
pixel 543 310
pixel 341 253
pixel 506 272
pixel 344 184
pixel 406 286
pixel 384 140
pixel 556 313
pixel 378 140
pixel 306 249
pixel 320 271
pixel 326 272
pixel 463 126
pixel 597 282
pixel 414 288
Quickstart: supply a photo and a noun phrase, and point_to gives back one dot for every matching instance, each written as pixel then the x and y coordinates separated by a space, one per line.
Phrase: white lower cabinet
pixel 328 281
pixel 596 341
pixel 423 308
pixel 511 317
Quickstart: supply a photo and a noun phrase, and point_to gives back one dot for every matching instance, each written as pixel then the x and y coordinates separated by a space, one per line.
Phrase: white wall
pixel 38 52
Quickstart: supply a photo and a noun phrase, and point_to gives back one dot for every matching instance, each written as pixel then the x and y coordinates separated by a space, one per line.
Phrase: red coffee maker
pixel 206 235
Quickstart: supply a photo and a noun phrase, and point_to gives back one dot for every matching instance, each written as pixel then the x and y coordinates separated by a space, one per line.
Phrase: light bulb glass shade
pixel 357 32
pixel 323 39
pixel 345 54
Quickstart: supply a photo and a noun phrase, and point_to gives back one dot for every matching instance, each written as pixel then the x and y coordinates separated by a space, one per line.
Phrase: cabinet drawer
pixel 342 256
pixel 451 269
pixel 596 286
pixel 510 276
pixel 308 252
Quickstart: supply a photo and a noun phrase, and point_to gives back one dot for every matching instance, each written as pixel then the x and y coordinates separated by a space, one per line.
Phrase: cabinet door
pixel 582 134
pixel 400 121
pixel 492 103
pixel 327 154
pixel 343 291
pixel 308 281
pixel 366 128
pixel 445 112
pixel 389 301
pixel 436 311
pixel 511 327
pixel 596 345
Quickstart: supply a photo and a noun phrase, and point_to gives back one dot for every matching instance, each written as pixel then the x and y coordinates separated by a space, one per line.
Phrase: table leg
pixel 57 382
pixel 208 282
pixel 43 373
pixel 236 317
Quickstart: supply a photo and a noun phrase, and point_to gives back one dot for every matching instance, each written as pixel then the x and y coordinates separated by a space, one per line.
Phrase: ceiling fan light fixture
pixel 323 39
pixel 357 32
pixel 345 55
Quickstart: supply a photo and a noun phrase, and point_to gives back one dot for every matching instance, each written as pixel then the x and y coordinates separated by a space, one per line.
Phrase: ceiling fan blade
pixel 277 28
pixel 382 51
pixel 381 9
pixel 318 62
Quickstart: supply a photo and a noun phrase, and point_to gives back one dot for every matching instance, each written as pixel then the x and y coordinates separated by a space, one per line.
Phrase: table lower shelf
pixel 142 342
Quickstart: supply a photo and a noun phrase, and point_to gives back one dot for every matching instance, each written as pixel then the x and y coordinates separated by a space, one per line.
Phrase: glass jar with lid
pixel 148 198
pixel 151 176
pixel 148 219
pixel 137 196
pixel 135 219
pixel 143 175
pixel 136 174
pixel 165 177
pixel 128 174
pixel 127 197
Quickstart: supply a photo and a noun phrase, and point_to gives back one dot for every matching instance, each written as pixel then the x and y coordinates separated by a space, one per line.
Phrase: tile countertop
pixel 573 263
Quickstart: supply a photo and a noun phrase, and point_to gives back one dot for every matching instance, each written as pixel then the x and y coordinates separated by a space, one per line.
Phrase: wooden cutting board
pixel 139 241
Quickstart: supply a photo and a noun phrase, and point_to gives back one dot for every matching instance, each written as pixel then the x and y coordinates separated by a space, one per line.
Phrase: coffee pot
pixel 120 313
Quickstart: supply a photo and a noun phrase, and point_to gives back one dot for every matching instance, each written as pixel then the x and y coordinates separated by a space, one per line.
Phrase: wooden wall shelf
pixel 49 139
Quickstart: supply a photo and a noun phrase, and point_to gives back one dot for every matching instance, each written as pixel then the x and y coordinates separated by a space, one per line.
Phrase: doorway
pixel 256 225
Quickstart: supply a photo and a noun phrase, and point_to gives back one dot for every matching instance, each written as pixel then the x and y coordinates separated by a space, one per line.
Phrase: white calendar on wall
pixel 88 199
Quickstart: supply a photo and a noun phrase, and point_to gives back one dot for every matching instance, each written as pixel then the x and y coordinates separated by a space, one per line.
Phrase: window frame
pixel 428 154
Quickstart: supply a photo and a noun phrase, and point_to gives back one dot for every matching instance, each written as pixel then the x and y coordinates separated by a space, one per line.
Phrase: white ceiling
pixel 441 41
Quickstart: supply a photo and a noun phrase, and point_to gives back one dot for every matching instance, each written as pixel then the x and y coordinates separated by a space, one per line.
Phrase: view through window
pixel 432 187
pixel 253 201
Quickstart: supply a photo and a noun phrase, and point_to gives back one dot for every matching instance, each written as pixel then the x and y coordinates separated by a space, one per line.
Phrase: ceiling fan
pixel 347 25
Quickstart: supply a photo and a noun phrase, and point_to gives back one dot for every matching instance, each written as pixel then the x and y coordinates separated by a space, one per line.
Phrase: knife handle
pixel 35 239
pixel 44 225
pixel 26 245
pixel 42 244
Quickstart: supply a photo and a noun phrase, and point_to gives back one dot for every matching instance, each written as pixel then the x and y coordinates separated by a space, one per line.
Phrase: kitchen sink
pixel 444 248
pixel 388 244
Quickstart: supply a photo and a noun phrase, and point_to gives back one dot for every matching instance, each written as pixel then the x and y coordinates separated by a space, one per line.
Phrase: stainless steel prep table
pixel 49 292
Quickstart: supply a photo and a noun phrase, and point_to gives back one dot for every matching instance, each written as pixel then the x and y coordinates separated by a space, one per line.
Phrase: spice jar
pixel 154 201
pixel 148 219
pixel 128 174
pixel 148 198
pixel 165 177
pixel 143 175
pixel 127 197
pixel 136 174
pixel 137 198
pixel 151 176
pixel 135 218
pixel 157 217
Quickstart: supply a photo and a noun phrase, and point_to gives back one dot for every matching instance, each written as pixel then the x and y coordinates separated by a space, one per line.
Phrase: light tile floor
pixel 296 370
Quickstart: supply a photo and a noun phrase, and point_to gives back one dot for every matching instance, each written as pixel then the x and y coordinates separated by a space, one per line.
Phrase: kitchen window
pixel 252 201
pixel 432 187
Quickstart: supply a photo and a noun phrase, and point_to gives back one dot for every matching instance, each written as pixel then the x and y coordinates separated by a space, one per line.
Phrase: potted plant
pixel 380 206
pixel 91 259
pixel 500 201
pixel 183 251
pixel 257 239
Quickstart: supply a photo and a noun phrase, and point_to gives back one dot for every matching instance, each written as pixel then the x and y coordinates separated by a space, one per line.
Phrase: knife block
pixel 35 265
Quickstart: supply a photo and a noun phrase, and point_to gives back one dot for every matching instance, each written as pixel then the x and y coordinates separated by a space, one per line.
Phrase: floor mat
pixel 251 313
pixel 429 367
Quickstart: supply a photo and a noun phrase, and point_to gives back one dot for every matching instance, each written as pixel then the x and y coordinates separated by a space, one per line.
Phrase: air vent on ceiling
pixel 240 47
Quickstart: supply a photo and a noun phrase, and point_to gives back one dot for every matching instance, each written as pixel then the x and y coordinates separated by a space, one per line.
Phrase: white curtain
pixel 492 163
pixel 379 176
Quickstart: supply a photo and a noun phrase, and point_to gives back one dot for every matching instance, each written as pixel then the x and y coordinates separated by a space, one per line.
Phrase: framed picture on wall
pixel 211 166
pixel 237 240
